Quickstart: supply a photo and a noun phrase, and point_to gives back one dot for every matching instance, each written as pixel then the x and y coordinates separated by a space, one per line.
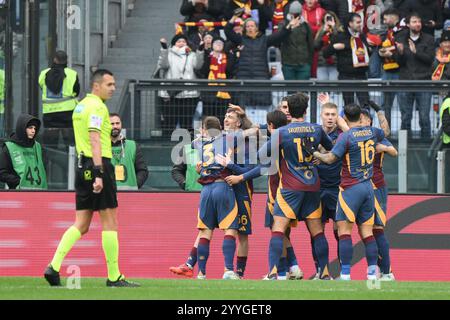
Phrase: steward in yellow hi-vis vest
pixel 60 89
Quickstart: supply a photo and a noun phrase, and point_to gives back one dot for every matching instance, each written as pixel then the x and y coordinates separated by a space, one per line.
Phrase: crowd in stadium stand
pixel 313 39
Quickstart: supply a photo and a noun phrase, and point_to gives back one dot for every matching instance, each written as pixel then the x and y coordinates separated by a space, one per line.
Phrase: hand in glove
pixel 375 106
pixel 308 146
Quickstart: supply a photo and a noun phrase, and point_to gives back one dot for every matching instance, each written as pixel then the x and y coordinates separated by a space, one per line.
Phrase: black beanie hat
pixel 445 36
pixel 178 37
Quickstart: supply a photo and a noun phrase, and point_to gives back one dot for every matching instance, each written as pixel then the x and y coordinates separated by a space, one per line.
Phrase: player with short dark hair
pixel 381 194
pixel 288 266
pixel 95 185
pixel 298 195
pixel 356 148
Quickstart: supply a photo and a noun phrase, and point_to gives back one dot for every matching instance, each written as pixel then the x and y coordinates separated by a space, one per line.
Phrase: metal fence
pixel 154 108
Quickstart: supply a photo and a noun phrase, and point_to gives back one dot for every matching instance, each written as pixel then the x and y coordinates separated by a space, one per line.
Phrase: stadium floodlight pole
pixel 403 161
pixel 441 172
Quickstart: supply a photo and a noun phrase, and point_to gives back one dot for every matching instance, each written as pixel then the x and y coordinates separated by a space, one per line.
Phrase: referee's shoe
pixel 121 282
pixel 52 276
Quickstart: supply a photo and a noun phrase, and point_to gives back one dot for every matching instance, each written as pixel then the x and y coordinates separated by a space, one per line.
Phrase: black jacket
pixel 416 66
pixel 342 10
pixel 253 61
pixel 268 10
pixel 345 57
pixel 216 9
pixel 253 57
pixel 210 96
pixel 7 173
pixel 428 10
pixel 140 165
pixel 403 6
pixel 263 17
pixel 329 5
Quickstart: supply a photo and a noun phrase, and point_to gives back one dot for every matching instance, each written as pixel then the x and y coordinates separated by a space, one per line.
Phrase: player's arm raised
pixel 384 124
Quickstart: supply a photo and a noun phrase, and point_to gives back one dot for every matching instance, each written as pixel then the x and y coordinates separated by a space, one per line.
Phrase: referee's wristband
pixel 97 171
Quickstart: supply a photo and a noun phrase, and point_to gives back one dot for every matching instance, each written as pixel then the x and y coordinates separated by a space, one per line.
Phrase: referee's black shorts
pixel 86 199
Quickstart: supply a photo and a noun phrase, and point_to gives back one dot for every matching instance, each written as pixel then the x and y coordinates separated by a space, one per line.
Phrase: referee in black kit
pixel 95 183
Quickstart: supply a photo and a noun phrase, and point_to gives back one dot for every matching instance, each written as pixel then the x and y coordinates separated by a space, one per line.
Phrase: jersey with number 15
pixel 297 171
pixel 356 148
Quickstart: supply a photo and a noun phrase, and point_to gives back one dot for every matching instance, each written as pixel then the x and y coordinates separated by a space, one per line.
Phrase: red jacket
pixel 314 17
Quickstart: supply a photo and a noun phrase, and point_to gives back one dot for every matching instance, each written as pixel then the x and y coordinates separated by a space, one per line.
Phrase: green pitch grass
pixel 173 289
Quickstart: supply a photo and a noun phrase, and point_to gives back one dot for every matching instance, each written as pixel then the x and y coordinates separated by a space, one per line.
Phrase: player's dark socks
pixel 371 250
pixel 314 254
pixel 345 252
pixel 275 251
pixel 192 260
pixel 291 257
pixel 321 247
pixel 241 264
pixel 336 236
pixel 202 254
pixel 282 267
pixel 384 260
pixel 229 249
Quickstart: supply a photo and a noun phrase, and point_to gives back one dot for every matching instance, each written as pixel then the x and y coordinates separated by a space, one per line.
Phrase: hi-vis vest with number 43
pixel 59 101
pixel 28 164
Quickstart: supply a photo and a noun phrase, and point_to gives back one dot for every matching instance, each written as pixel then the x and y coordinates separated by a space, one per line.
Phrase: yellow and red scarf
pixel 437 74
pixel 326 40
pixel 247 6
pixel 278 14
pixel 360 54
pixel 389 63
pixel 217 70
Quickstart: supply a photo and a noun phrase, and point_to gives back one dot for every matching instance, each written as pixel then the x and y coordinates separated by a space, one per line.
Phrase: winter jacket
pixel 343 10
pixel 345 57
pixel 416 66
pixel 7 173
pixel 329 5
pixel 428 10
pixel 298 47
pixel 210 96
pixel 178 65
pixel 320 46
pixel 403 6
pixel 253 59
pixel 263 18
pixel 314 17
pixel 268 11
pixel 446 74
pixel 216 9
